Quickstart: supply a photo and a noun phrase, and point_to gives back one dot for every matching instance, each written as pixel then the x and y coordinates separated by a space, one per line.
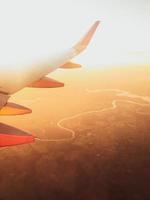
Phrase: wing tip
pixel 97 22
pixel 84 42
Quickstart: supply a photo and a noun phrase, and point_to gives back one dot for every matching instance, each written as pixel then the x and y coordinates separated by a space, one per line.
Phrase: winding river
pixel 119 93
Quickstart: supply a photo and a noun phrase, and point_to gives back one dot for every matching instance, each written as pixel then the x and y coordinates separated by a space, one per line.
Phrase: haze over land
pixel 109 156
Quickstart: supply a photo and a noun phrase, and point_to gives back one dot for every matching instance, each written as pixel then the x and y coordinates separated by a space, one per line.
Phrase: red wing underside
pixel 10 136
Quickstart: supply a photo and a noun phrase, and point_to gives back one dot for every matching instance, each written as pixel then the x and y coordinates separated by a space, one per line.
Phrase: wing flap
pixel 70 65
pixel 14 109
pixel 46 83
pixel 10 136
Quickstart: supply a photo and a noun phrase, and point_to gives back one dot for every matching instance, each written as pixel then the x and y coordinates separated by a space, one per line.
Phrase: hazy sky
pixel 34 28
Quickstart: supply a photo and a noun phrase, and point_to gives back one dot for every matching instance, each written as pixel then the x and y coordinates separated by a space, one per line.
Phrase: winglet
pixel 83 43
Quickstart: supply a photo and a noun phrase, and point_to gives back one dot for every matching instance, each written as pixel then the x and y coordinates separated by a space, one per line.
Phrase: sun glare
pixel 35 29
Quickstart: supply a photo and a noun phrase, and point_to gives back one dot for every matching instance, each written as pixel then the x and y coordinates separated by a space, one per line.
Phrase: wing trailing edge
pixel 46 83
pixel 70 65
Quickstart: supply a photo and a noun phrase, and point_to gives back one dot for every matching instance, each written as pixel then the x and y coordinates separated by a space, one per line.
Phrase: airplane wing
pixel 74 51
pixel 12 136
